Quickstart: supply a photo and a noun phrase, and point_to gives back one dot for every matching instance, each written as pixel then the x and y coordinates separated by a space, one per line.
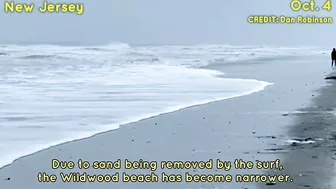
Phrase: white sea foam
pixel 52 94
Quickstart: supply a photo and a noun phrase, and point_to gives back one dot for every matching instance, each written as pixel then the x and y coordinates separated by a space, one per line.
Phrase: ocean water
pixel 53 94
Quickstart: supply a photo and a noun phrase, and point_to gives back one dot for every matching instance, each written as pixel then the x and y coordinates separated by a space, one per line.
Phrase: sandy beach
pixel 167 94
pixel 262 126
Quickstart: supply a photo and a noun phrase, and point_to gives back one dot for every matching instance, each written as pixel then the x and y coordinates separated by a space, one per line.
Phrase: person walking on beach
pixel 333 57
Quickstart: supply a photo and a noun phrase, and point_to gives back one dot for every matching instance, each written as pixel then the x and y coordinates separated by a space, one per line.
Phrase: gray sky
pixel 164 22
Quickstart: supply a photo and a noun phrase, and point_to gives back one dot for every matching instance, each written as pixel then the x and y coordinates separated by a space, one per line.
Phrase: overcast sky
pixel 164 22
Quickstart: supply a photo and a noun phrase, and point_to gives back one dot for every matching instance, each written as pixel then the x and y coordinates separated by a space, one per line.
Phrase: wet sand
pixel 312 165
pixel 254 127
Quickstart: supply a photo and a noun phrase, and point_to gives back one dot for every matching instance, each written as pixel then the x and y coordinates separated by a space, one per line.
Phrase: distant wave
pixel 39 57
pixel 186 55
pixel 110 46
pixel 95 49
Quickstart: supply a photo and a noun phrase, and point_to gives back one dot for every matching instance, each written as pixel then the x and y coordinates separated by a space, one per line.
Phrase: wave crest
pixel 37 56
pixel 187 55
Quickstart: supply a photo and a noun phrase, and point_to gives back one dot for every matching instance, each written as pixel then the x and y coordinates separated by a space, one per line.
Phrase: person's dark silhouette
pixel 333 57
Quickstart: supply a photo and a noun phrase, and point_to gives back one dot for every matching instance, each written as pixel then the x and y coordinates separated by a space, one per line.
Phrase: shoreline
pixel 221 129
pixel 263 85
